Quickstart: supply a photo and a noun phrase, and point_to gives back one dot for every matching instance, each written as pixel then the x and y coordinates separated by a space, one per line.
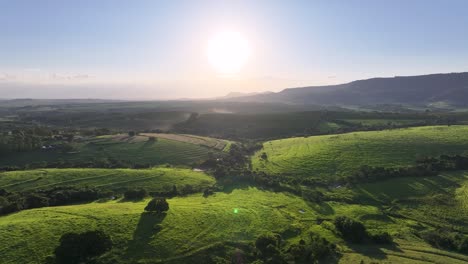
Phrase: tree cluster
pixel 445 239
pixel 355 232
pixel 428 166
pixel 78 248
pixel 270 248
pixel 16 201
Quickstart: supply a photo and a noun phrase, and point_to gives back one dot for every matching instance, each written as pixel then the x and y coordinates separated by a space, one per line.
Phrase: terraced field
pixel 343 154
pixel 215 143
pixel 135 150
pixel 156 179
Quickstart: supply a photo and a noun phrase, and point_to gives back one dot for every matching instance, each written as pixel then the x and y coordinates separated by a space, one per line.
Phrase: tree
pixel 77 248
pixel 351 230
pixel 131 133
pixel 158 205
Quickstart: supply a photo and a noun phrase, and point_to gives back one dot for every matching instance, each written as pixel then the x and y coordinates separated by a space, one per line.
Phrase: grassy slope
pixel 191 223
pixel 194 224
pixel 155 179
pixel 140 152
pixel 343 154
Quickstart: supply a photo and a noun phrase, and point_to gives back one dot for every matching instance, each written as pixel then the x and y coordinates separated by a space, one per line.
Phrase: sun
pixel 228 52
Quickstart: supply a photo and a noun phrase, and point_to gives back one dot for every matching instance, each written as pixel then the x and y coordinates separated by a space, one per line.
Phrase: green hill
pixel 343 154
pixel 131 150
pixel 198 228
pixel 155 179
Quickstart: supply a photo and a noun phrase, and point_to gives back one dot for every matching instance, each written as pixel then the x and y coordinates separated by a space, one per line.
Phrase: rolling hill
pixel 154 180
pixel 167 149
pixel 341 155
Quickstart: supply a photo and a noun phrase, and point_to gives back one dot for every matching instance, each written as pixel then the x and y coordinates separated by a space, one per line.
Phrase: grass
pixel 133 150
pixel 343 154
pixel 195 224
pixel 192 223
pixel 156 179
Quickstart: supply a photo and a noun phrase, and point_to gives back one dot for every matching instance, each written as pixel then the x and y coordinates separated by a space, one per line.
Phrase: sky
pixel 149 49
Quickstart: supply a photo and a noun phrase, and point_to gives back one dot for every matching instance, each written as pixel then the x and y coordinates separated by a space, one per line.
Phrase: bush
pixel 444 239
pixel 135 194
pixel 207 192
pixel 80 248
pixel 187 189
pixel 268 244
pixel 158 205
pixel 351 230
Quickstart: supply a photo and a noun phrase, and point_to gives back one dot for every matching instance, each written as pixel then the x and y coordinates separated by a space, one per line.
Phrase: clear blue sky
pixel 157 49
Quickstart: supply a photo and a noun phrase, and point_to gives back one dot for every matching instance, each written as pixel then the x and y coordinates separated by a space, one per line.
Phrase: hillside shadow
pixel 146 229
pixel 233 186
pixel 374 251
pixel 321 208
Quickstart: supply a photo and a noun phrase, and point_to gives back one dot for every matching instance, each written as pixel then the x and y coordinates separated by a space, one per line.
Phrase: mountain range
pixel 450 88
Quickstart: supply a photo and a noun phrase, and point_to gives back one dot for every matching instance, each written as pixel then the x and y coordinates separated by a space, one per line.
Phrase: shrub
pixel 351 230
pixel 444 239
pixel 80 248
pixel 268 244
pixel 135 194
pixel 187 189
pixel 207 192
pixel 158 205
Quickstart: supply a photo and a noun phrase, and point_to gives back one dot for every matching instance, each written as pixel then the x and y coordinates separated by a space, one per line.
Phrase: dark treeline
pixel 446 239
pixel 429 166
pixel 281 125
pixel 105 163
pixel 11 202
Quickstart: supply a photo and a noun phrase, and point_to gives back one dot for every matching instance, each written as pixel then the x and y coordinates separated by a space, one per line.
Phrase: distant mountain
pixel 451 88
pixel 239 94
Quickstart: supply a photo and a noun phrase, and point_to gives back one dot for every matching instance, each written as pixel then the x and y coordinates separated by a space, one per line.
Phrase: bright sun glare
pixel 228 52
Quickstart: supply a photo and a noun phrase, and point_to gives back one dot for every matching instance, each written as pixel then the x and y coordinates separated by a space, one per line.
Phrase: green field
pixel 195 225
pixel 133 151
pixel 343 154
pixel 156 179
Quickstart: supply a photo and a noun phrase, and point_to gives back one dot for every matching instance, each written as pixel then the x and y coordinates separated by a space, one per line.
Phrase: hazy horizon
pixel 185 49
